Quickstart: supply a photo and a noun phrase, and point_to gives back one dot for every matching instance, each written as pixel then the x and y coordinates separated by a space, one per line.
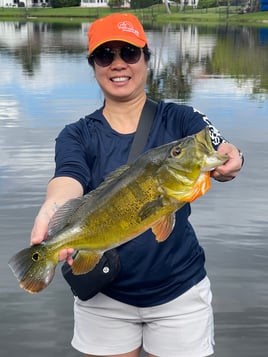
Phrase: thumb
pixel 40 228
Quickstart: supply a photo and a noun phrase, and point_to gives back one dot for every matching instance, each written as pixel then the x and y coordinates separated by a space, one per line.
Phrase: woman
pixel 161 299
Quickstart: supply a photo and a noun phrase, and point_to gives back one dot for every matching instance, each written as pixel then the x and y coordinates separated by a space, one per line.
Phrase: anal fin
pixel 85 261
pixel 163 227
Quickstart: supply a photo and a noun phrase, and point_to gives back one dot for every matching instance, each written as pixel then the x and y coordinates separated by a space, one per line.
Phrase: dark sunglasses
pixel 104 56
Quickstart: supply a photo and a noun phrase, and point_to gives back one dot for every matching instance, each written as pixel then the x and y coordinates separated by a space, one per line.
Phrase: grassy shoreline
pixel 154 14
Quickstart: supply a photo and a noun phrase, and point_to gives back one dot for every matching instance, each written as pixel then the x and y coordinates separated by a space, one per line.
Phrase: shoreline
pixel 155 14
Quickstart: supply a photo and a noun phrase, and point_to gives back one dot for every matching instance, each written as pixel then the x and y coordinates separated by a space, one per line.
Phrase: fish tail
pixel 32 268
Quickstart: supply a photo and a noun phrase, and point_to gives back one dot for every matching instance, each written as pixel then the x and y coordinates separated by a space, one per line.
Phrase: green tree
pixel 140 4
pixel 64 3
pixel 115 3
pixel 204 4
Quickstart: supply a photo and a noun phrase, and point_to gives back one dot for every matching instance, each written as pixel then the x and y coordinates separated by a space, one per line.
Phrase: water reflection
pixel 206 51
pixel 46 83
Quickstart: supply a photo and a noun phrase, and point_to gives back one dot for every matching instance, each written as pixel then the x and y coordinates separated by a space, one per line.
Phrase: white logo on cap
pixel 127 26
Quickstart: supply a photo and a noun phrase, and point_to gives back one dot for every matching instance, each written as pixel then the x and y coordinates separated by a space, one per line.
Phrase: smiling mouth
pixel 120 79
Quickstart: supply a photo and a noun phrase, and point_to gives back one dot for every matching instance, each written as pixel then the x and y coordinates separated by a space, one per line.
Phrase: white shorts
pixel 182 327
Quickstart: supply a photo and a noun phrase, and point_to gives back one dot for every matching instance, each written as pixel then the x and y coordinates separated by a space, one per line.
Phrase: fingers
pixel 229 170
pixel 39 233
pixel 66 254
pixel 225 172
pixel 222 178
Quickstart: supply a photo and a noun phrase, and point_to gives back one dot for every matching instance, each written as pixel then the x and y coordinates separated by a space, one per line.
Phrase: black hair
pixel 90 60
pixel 147 53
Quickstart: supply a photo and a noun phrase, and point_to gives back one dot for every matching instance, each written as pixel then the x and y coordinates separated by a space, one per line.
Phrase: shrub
pixel 64 3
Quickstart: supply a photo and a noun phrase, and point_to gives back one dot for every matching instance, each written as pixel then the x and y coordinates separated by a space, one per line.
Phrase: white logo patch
pixel 127 26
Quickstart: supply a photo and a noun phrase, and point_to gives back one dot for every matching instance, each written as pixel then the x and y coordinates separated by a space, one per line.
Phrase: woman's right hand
pixel 39 233
pixel 56 196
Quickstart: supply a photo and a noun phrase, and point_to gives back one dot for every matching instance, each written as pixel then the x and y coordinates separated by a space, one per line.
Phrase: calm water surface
pixel 46 83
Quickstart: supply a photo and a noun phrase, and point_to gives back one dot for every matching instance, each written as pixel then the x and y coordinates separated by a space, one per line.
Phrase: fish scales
pixel 131 200
pixel 116 217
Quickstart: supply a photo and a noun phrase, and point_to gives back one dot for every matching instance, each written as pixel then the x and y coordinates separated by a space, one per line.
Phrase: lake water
pixel 45 82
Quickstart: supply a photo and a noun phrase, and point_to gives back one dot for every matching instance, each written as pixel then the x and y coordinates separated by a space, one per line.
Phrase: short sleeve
pixel 71 153
pixel 189 121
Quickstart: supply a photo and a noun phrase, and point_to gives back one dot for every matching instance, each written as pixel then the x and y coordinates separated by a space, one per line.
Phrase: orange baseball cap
pixel 116 27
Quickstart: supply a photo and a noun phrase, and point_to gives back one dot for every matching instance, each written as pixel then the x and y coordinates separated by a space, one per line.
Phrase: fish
pixel 132 199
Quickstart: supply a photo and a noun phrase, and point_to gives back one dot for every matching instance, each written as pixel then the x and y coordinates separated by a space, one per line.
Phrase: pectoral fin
pixel 163 227
pixel 85 261
pixel 150 208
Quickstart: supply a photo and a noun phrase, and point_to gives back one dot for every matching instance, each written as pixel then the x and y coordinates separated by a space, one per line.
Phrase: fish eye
pixel 176 151
pixel 36 256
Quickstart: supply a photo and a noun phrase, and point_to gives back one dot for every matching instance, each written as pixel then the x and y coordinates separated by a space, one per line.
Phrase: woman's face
pixel 121 80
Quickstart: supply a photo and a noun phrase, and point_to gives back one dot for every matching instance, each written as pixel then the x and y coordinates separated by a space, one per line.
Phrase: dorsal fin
pixel 62 216
pixel 115 174
pixel 112 177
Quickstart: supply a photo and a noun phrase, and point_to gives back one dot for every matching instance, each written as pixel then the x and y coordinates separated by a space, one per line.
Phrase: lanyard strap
pixel 143 129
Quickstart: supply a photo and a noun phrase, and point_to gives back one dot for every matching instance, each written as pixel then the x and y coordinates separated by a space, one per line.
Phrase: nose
pixel 117 57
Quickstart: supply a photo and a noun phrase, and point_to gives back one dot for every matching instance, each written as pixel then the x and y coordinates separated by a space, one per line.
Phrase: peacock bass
pixel 144 195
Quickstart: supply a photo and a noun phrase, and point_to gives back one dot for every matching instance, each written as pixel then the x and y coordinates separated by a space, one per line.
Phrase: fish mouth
pixel 212 158
pixel 213 161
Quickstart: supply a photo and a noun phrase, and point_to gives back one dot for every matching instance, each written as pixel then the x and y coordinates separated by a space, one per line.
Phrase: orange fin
pixel 85 261
pixel 163 227
pixel 201 186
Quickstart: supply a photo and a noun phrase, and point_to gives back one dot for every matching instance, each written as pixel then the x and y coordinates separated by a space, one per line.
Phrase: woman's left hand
pixel 231 167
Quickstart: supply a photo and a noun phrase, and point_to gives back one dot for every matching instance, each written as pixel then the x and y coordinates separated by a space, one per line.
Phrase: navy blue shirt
pixel 151 273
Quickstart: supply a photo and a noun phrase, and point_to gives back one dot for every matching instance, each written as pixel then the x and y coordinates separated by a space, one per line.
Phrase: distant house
pixel 100 3
pixel 24 3
pixel 192 3
pixel 182 3
pixel 43 3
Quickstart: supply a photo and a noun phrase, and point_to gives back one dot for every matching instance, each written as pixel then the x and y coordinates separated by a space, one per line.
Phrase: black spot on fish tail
pixel 31 268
